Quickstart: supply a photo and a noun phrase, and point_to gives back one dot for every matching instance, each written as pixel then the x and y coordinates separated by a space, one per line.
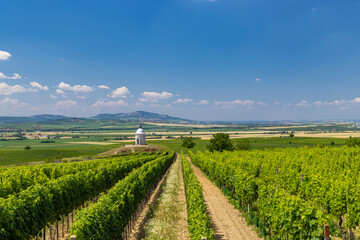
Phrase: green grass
pixel 258 143
pixel 21 156
pixel 276 142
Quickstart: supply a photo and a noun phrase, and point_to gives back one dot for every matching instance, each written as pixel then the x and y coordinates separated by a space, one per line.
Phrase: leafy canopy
pixel 220 142
pixel 188 142
pixel 352 142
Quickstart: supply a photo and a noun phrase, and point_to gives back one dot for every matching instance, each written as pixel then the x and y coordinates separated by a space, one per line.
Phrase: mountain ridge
pixel 141 116
pixel 130 116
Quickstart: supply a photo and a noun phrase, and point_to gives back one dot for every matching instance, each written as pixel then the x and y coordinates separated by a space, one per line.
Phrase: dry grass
pixel 165 217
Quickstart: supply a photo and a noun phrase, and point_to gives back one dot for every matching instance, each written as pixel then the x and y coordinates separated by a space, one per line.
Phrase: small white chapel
pixel 140 137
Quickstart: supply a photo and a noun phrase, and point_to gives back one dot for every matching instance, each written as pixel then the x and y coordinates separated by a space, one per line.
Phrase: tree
pixel 188 142
pixel 352 142
pixel 27 147
pixel 244 144
pixel 220 142
pixel 291 134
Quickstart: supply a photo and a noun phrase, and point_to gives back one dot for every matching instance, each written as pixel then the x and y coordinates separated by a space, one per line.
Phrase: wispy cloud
pixel 60 92
pixel 103 87
pixel 302 103
pixel 203 102
pixel 244 103
pixel 154 96
pixel 75 88
pixel 330 103
pixel 14 76
pixel 185 100
pixel 101 103
pixel 4 55
pixel 11 101
pixel 66 104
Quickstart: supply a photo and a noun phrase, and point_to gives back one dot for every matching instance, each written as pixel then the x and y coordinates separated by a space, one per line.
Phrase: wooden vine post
pixel 326 232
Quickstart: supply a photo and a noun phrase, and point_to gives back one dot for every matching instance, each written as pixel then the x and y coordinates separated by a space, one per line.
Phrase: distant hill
pixel 35 118
pixel 131 116
pixel 143 116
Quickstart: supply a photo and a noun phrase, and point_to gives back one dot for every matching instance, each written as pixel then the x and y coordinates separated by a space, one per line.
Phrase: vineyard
pixel 291 193
pixel 284 193
pixel 198 221
pixel 34 197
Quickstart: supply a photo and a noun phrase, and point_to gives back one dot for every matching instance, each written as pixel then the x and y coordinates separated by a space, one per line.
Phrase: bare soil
pixel 225 219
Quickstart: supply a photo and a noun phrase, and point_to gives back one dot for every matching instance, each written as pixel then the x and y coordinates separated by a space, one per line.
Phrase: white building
pixel 140 137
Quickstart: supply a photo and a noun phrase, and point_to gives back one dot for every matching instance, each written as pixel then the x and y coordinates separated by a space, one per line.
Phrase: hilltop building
pixel 140 137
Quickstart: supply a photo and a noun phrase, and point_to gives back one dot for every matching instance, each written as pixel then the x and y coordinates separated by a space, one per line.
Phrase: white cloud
pixel 13 102
pixel 103 87
pixel 337 102
pixel 257 79
pixel 15 76
pixel 302 103
pixel 39 86
pixel 9 100
pixel 262 103
pixel 52 96
pixel 75 88
pixel 122 92
pixel 276 103
pixel 185 100
pixel 6 89
pixel 110 103
pixel 245 103
pixel 203 102
pixel 81 97
pixel 60 92
pixel 356 100
pixel 66 104
pixel 154 96
pixel 4 55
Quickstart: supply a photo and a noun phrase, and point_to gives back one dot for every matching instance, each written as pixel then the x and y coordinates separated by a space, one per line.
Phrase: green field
pixel 13 152
pixel 21 156
pixel 259 143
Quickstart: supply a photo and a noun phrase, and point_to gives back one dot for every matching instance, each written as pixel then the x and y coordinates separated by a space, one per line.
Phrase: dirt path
pixel 225 219
pixel 167 217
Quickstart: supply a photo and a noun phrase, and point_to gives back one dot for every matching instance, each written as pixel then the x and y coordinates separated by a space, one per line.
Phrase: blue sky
pixel 197 59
